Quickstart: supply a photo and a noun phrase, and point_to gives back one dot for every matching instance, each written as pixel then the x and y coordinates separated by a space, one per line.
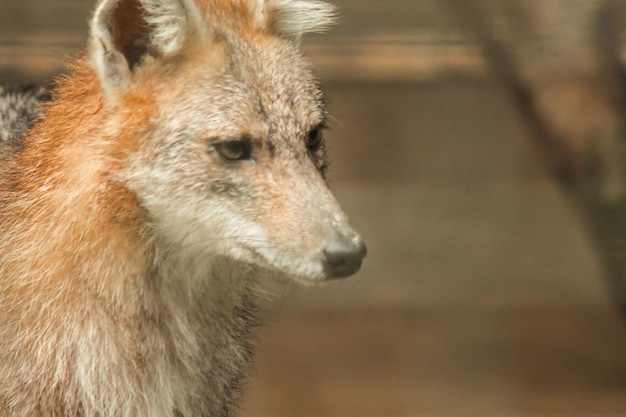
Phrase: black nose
pixel 344 256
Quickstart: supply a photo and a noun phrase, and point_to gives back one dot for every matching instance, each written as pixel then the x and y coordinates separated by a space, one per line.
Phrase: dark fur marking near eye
pixel 316 148
pixel 271 147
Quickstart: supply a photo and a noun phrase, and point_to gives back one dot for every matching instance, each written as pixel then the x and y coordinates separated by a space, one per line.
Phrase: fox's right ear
pixel 125 32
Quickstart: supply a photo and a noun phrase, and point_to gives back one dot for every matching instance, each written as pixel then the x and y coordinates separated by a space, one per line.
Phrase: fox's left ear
pixel 125 32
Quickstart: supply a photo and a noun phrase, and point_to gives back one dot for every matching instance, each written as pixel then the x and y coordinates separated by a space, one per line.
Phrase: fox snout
pixel 304 231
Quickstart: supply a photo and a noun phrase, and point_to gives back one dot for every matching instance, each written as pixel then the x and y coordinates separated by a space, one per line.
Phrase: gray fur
pixel 19 109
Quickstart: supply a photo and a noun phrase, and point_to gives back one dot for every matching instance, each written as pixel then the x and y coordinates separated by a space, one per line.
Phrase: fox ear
pixel 125 32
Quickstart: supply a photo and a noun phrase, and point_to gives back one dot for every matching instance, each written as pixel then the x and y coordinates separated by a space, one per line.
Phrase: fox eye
pixel 314 140
pixel 234 149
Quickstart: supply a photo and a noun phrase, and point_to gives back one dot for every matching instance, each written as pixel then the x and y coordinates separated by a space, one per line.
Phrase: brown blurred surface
pixel 544 361
pixel 481 294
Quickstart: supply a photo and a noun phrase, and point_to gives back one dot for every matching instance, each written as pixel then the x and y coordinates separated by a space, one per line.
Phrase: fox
pixel 179 158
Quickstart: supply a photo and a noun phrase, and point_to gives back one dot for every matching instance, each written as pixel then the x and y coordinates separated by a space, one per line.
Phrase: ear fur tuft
pixel 296 17
pixel 169 20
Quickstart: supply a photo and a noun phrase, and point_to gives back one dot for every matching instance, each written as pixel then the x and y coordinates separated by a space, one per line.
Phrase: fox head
pixel 229 159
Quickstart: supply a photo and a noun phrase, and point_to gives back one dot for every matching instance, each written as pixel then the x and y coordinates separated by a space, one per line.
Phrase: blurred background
pixel 478 146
